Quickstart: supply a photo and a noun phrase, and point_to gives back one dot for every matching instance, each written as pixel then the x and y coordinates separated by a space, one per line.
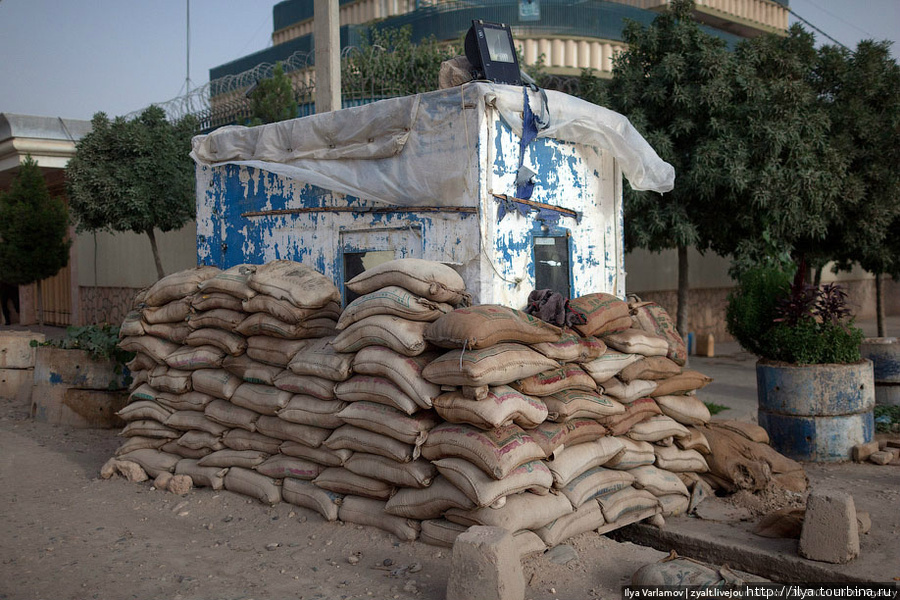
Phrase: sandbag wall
pixel 408 413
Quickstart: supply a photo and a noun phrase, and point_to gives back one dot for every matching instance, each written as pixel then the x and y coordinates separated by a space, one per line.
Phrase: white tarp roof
pixel 417 150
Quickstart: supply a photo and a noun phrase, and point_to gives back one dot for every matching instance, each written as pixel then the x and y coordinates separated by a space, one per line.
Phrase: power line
pixel 817 29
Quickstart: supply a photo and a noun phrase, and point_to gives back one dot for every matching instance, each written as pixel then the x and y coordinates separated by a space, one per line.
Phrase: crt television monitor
pixel 491 52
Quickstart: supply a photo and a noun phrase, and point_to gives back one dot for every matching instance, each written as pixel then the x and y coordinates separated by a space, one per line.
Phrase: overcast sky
pixel 72 58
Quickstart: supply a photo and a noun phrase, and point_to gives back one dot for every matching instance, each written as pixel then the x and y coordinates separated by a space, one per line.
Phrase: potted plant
pixel 81 380
pixel 815 392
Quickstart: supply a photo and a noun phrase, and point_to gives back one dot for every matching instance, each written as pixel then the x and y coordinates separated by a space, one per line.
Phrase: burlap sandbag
pixel 608 365
pixel 274 351
pixel 220 318
pixel 688 381
pixel 497 452
pixel 232 281
pixel 687 410
pixel 173 381
pixel 230 343
pixel 652 368
pixel 386 420
pixel 587 518
pixel 566 377
pixel 342 481
pixel 498 365
pixel 550 436
pixel 287 312
pixel 428 503
pixel 737 463
pixel 521 511
pixel 484 490
pixel 193 400
pixel 637 341
pixel 502 405
pixel 368 511
pixel 571 347
pixel 602 314
pixel 175 311
pixel 297 283
pixel 406 372
pixel 392 300
pixel 203 301
pixel 231 415
pixel 653 318
pixel 574 404
pixel 178 285
pixel 308 495
pixel 369 388
pixel 637 411
pixel 400 335
pixel 429 279
pixel 251 371
pixel 486 325
pixel 320 359
pixel 418 473
pixel 173 332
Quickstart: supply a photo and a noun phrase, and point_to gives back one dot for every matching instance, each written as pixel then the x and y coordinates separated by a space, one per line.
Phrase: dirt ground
pixel 67 534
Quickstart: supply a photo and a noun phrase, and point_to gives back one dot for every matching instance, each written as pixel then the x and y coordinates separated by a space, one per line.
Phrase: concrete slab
pixel 725 535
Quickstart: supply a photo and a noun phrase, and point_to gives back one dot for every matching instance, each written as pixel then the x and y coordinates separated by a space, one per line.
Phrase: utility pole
pixel 327 33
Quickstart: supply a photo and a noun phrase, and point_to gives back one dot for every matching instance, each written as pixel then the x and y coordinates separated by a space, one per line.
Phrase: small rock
pixel 863 521
pixel 411 586
pixel 180 484
pixel 881 457
pixel 108 469
pixel 179 506
pixel 353 560
pixel 272 546
pixel 387 562
pixel 131 471
pixel 228 519
pixel 861 452
pixel 561 554
pixel 415 567
pixel 162 480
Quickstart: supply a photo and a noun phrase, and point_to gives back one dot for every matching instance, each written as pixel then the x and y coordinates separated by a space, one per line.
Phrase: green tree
pixel 134 175
pixel 778 176
pixel 389 64
pixel 861 91
pixel 668 83
pixel 33 230
pixel 273 99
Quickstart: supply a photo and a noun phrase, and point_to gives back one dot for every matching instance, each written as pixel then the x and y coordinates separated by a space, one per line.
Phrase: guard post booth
pixel 439 176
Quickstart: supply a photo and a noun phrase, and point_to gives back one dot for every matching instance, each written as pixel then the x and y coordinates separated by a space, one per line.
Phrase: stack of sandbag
pixel 214 395
pixel 533 439
pixel 388 404
pixel 409 410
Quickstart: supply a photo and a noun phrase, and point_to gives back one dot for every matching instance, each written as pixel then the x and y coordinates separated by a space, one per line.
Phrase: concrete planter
pixel 884 352
pixel 816 412
pixel 17 364
pixel 71 388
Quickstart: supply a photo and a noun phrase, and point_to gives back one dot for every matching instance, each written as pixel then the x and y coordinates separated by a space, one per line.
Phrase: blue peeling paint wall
pixel 249 215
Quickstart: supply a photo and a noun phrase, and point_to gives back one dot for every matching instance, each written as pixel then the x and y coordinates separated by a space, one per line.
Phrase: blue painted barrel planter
pixel 884 353
pixel 816 412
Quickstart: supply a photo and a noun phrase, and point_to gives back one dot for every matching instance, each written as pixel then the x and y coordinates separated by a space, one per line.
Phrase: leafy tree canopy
pixel 33 228
pixel 134 175
pixel 861 91
pixel 667 83
pixel 779 177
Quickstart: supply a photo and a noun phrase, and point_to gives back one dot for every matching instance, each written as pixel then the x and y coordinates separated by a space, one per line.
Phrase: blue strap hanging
pixel 524 189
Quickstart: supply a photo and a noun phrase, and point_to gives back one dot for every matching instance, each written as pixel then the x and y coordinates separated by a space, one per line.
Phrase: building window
pixel 551 264
pixel 357 262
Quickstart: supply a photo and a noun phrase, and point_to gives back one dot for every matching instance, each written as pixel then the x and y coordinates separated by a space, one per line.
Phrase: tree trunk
pixel 681 318
pixel 40 303
pixel 818 275
pixel 879 303
pixel 159 268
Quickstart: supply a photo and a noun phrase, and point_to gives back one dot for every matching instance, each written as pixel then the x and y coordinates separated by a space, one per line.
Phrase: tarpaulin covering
pixel 416 150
